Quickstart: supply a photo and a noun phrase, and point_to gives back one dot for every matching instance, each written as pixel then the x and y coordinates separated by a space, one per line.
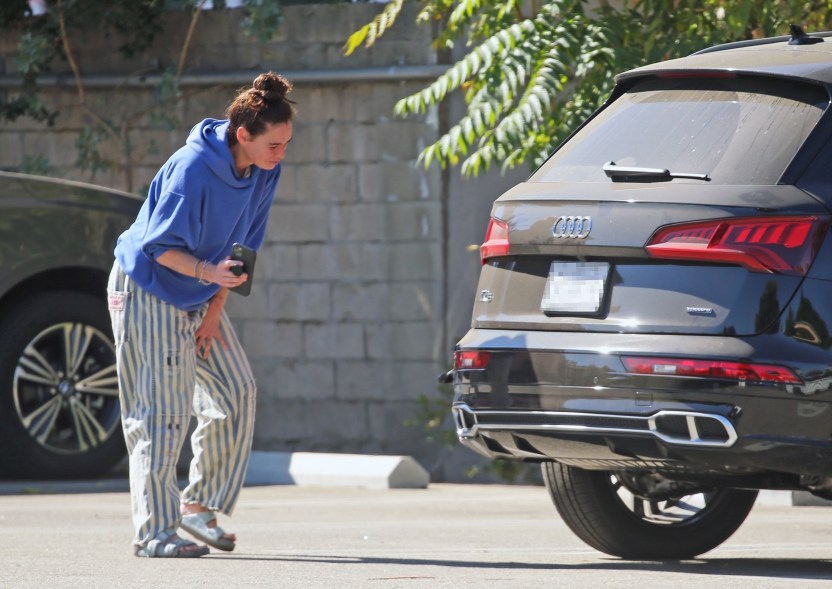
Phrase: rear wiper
pixel 633 174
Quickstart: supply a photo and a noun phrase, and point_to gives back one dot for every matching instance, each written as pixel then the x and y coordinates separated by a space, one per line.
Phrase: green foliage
pixel 163 113
pixel 534 70
pixel 375 29
pixel 105 140
pixel 434 417
pixel 45 39
pixel 508 471
pixel 262 18
pixel 27 103
pixel 89 155
pixel 135 23
pixel 35 164
pixel 35 52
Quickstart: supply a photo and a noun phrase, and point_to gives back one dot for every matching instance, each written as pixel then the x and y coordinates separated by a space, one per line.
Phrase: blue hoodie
pixel 196 203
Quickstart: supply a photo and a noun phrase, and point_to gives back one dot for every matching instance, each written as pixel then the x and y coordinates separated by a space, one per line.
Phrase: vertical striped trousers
pixel 161 383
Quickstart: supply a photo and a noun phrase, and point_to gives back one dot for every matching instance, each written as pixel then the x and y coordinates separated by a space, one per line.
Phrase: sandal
pixel 196 524
pixel 168 545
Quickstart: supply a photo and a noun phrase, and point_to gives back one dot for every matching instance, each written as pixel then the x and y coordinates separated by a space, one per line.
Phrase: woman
pixel 176 350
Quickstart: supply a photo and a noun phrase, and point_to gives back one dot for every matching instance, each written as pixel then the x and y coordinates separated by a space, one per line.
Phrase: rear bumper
pixel 686 428
pixel 566 396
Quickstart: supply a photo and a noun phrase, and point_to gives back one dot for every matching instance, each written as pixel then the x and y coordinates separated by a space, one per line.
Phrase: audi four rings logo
pixel 574 227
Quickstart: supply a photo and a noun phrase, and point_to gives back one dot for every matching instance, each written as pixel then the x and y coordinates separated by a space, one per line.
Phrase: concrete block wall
pixel 345 326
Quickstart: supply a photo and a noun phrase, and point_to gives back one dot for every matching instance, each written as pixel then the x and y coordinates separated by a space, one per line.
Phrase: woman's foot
pixel 201 523
pixel 169 545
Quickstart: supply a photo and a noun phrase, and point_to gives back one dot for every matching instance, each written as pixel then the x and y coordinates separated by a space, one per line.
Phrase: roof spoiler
pixel 796 37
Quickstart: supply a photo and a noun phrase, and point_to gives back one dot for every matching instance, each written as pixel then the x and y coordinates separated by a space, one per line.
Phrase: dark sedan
pixel 59 409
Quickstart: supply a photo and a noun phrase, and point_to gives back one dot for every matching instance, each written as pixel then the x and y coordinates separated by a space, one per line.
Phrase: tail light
pixel 710 369
pixel 496 240
pixel 471 359
pixel 786 245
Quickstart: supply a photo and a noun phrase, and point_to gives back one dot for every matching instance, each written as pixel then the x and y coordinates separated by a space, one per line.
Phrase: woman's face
pixel 267 149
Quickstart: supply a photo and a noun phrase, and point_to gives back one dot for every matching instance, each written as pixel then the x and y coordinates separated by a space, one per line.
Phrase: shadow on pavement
pixel 785 568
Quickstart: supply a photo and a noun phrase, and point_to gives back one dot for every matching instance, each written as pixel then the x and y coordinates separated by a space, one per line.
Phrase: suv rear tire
pixel 597 507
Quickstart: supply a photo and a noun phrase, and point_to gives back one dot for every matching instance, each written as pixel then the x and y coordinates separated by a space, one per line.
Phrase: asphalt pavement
pixel 445 536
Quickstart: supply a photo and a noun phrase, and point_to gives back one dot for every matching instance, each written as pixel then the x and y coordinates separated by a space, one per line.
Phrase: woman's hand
pixel 223 273
pixel 209 330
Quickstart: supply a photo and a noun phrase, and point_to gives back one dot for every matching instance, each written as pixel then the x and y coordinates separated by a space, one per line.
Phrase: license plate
pixel 575 287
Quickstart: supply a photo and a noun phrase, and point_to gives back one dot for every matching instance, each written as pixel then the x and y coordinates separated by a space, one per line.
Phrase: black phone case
pixel 247 256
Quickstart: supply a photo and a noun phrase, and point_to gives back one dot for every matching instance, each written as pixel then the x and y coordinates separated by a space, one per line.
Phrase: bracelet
pixel 202 273
pixel 196 264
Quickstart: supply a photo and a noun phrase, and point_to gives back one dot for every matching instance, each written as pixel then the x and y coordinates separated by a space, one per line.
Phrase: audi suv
pixel 653 314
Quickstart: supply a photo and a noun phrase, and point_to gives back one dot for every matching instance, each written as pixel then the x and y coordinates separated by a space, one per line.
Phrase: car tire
pixel 59 407
pixel 633 528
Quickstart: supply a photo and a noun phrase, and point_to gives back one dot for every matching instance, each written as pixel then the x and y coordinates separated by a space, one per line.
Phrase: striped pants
pixel 161 383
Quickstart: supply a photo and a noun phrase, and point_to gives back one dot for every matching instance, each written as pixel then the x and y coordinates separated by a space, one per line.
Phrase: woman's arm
pixel 184 263
pixel 204 271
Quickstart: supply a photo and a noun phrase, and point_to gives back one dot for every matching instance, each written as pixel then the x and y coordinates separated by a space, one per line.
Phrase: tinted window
pixel 735 130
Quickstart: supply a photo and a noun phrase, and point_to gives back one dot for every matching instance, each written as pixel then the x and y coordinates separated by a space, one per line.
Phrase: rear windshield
pixel 741 130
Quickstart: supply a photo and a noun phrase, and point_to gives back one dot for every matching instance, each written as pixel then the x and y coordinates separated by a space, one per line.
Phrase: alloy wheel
pixel 65 388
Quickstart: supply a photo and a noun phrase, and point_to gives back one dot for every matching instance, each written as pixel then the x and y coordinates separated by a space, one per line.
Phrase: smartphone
pixel 247 256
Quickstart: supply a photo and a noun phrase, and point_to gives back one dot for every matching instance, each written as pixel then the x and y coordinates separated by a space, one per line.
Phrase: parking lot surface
pixel 445 536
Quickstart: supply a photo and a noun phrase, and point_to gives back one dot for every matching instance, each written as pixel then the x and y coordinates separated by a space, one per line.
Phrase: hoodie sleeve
pixel 174 224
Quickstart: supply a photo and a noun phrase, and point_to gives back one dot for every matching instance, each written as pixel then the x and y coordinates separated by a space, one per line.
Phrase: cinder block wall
pixel 345 326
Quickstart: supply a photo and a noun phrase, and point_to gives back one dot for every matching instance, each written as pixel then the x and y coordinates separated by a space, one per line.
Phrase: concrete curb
pixel 804 498
pixel 270 468
pixel 775 498
pixel 336 470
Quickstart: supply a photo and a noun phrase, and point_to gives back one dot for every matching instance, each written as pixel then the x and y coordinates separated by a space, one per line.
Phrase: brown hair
pixel 264 103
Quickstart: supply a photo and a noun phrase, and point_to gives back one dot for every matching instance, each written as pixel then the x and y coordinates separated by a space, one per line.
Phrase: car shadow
pixel 783 568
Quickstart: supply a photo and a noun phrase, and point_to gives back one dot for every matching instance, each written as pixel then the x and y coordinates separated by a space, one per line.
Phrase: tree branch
pixel 68 52
pixel 183 55
pixel 77 74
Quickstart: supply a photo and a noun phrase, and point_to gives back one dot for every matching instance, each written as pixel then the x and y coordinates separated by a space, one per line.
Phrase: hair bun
pixel 272 86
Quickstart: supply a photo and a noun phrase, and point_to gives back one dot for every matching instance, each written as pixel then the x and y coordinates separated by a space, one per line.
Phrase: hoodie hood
pixel 208 140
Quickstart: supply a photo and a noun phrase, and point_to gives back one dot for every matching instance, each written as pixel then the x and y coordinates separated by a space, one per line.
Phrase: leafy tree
pixel 533 70
pixel 54 36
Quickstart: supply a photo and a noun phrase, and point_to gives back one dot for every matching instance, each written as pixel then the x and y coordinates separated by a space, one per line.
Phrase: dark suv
pixel 653 320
